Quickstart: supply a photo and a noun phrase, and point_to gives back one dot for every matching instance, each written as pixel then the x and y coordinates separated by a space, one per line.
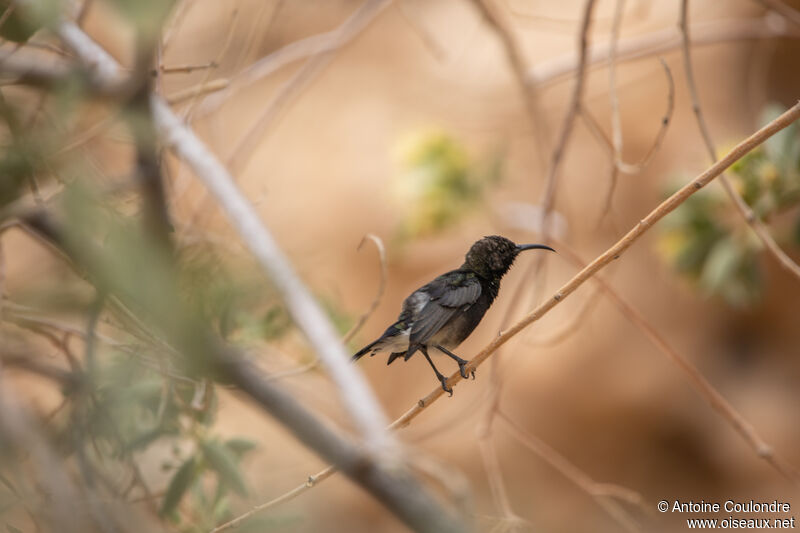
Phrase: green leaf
pixel 27 19
pixel 778 145
pixel 240 446
pixel 146 15
pixel 223 461
pixel 178 485
pixel 721 264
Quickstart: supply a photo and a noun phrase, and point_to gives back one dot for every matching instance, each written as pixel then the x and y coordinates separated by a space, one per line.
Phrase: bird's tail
pixel 363 351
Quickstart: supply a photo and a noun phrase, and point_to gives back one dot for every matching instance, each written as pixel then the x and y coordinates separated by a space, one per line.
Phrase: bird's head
pixel 492 256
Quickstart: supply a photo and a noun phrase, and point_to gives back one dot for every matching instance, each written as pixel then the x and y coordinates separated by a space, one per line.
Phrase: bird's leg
pixel 462 363
pixel 439 375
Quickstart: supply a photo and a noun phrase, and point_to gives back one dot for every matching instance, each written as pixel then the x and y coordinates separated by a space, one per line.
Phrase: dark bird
pixel 444 312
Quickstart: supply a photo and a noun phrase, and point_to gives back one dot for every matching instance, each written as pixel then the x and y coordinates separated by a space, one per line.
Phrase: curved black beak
pixel 523 247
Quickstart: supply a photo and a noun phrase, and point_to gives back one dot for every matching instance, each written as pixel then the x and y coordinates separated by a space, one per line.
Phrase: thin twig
pixel 749 216
pixel 658 42
pixel 571 327
pixel 519 68
pixel 616 123
pixel 187 69
pixel 243 150
pixel 701 385
pixel 305 311
pixel 86 8
pixel 361 320
pixel 617 163
pixel 573 108
pixel 551 179
pixel 381 286
pixel 496 484
pixel 426 36
pixel 177 18
pixel 3 276
pixel 314 45
pixel 7 12
pixel 297 491
pixel 259 31
pixel 787 12
pixel 191 93
pixel 188 114
pixel 600 492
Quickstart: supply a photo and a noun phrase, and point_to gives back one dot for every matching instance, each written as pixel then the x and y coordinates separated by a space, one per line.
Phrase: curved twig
pixel 381 286
pixel 615 153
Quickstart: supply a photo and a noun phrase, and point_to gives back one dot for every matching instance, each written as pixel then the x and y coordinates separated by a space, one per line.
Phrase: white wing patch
pixel 418 301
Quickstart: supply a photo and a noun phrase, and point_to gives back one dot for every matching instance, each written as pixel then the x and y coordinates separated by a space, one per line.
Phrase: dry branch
pixel 551 179
pixel 614 252
pixel 316 45
pixel 317 62
pixel 701 385
pixel 659 42
pixel 787 12
pixel 387 480
pixel 604 494
pixel 513 51
pixel 381 286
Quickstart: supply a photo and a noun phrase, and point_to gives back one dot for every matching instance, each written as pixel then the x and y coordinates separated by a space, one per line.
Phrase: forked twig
pixel 616 123
pixel 615 154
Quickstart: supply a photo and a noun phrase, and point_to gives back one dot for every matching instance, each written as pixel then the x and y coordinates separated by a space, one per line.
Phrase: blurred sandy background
pixel 324 172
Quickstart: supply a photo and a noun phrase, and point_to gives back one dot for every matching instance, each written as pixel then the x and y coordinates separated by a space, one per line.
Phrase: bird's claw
pixel 462 369
pixel 448 390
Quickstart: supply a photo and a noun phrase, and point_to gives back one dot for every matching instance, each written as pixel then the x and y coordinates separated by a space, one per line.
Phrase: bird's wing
pixel 435 304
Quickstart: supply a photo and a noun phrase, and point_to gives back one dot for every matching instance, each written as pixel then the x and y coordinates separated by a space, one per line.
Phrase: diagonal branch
pixel 786 11
pixel 573 284
pixel 313 67
pixel 660 41
pixel 605 494
pixel 388 481
pixel 701 385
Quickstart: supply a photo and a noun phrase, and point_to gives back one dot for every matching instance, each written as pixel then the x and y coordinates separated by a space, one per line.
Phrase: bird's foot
pixel 448 390
pixel 462 369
